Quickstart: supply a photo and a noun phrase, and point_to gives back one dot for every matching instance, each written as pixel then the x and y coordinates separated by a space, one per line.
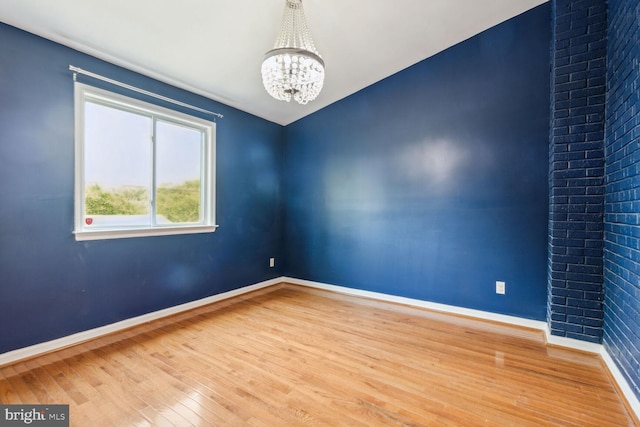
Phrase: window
pixel 141 170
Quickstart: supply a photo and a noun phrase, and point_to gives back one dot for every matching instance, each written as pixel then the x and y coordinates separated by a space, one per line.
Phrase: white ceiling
pixel 215 47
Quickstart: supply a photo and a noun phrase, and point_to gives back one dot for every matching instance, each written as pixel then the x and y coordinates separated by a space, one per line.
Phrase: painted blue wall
pixel 51 285
pixel 622 200
pixel 432 183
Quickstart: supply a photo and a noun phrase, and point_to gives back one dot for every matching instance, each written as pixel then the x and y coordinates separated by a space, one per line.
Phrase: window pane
pixel 117 155
pixel 142 170
pixel 178 173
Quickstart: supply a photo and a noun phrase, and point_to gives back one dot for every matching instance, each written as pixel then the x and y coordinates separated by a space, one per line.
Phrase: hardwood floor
pixel 288 356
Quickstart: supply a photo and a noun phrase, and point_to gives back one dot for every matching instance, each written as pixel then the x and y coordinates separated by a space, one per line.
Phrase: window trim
pixel 84 93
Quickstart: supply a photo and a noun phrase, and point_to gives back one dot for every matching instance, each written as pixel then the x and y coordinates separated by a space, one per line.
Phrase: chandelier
pixel 293 68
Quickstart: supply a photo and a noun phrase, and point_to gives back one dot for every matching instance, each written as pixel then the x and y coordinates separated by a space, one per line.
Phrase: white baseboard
pixel 624 386
pixel 502 318
pixel 573 343
pixel 46 347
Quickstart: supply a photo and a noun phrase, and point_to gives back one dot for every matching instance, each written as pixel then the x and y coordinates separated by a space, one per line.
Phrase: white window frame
pixel 84 93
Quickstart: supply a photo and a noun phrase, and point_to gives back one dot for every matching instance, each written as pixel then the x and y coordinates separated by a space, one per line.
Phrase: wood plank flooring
pixel 292 356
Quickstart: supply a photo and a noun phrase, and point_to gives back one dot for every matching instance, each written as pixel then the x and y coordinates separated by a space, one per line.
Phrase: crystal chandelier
pixel 293 68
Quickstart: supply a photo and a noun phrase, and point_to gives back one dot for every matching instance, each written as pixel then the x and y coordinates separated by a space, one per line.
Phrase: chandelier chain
pixel 294 31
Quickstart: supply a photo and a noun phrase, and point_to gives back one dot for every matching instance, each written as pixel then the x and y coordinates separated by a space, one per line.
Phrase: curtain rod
pixel 77 70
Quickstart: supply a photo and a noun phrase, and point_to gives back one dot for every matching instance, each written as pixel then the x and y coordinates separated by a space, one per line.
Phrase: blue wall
pixel 622 202
pixel 432 183
pixel 51 285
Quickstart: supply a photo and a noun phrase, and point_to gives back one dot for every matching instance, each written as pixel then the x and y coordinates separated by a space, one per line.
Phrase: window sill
pixel 124 233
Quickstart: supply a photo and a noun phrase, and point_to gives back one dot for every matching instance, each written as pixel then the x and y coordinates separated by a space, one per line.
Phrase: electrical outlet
pixel 272 262
pixel 501 287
